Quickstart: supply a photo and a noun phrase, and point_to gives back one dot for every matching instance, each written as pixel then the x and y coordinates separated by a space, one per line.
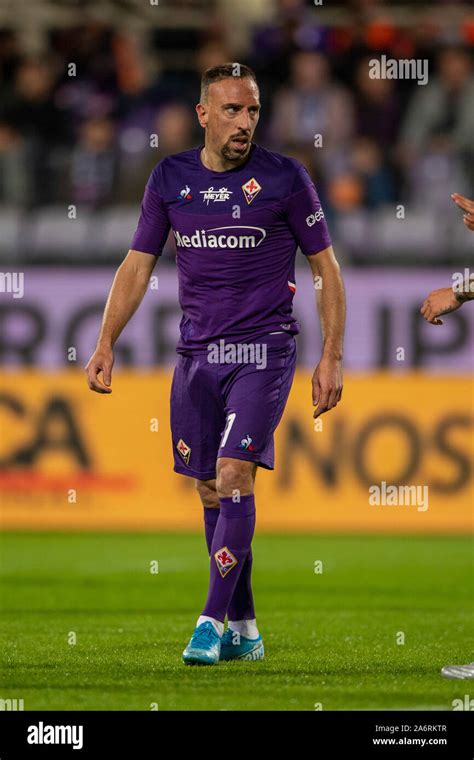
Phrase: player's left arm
pixel 306 219
pixel 327 378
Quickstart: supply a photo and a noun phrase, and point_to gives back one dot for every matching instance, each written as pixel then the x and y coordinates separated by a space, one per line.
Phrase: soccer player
pixel 439 302
pixel 238 213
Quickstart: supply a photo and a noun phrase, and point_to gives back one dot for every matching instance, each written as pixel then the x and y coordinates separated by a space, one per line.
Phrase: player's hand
pixel 468 207
pixel 102 360
pixel 327 385
pixel 442 301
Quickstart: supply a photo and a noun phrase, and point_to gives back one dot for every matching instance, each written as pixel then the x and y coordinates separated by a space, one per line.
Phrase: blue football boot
pixel 204 647
pixel 234 646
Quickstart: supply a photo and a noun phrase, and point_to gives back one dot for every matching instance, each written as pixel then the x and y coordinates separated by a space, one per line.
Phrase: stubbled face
pixel 230 116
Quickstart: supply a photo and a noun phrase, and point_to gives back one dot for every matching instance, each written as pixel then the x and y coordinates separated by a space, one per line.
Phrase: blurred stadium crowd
pixel 81 135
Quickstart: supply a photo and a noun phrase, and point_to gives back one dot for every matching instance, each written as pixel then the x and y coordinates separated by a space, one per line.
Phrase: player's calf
pixel 208 493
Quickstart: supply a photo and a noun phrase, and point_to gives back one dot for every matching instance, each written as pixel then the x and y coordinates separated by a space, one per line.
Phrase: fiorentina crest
pixel 225 560
pixel 184 450
pixel 251 189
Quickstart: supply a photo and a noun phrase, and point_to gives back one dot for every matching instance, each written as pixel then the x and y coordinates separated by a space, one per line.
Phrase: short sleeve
pixel 153 225
pixel 305 215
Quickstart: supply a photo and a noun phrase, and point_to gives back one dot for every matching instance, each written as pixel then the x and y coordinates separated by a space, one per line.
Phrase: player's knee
pixel 234 476
pixel 207 492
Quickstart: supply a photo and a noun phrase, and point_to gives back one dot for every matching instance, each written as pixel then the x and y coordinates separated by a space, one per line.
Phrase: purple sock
pixel 211 516
pixel 229 551
pixel 241 605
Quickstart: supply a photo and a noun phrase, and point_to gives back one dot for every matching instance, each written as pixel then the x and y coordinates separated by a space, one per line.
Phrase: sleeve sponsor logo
pixel 316 217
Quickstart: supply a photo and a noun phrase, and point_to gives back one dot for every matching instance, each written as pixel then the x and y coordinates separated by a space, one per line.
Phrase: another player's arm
pixel 446 300
pixel 468 207
pixel 327 378
pixel 127 291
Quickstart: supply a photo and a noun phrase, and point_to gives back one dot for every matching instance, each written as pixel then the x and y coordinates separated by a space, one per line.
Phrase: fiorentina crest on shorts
pixel 251 189
pixel 184 450
pixel 225 560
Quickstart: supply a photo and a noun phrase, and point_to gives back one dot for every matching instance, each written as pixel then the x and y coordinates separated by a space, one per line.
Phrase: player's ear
pixel 201 111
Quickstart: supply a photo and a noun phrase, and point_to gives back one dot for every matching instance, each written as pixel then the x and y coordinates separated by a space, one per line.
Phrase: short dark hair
pixel 224 71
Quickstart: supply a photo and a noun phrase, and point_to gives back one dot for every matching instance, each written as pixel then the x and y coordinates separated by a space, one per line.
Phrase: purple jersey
pixel 236 236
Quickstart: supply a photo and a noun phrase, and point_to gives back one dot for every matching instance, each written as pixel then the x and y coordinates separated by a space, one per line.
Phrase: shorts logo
pixel 246 443
pixel 251 189
pixel 225 560
pixel 316 217
pixel 184 450
pixel 292 286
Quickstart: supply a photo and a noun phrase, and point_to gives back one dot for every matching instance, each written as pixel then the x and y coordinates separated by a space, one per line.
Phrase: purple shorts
pixel 228 401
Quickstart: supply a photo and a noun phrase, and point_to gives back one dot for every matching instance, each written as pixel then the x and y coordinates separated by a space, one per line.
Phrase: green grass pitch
pixel 330 637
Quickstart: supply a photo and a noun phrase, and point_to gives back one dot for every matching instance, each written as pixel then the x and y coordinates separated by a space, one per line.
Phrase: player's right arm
pixel 131 281
pixel 126 294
